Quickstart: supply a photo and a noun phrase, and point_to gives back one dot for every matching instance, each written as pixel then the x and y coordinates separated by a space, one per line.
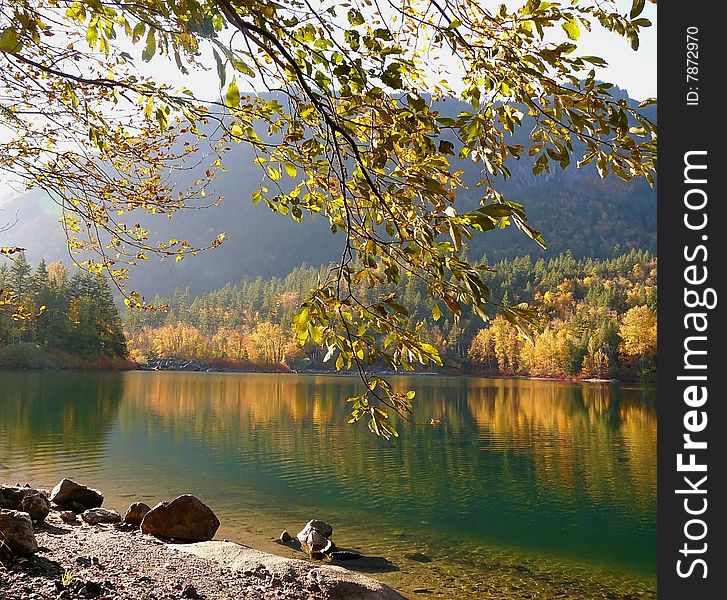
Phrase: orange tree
pixel 347 134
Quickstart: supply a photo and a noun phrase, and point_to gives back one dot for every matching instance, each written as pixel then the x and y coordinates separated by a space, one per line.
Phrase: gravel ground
pixel 83 561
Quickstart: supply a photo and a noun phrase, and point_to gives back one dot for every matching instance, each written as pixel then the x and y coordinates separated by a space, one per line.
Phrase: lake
pixel 521 488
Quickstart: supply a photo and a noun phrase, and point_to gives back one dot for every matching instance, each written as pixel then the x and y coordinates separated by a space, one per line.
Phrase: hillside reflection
pixel 566 439
pixel 46 413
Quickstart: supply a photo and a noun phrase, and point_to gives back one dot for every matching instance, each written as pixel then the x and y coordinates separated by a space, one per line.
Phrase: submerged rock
pixel 418 557
pixel 344 555
pixel 135 513
pixel 72 495
pixel 16 532
pixel 94 516
pixel 184 518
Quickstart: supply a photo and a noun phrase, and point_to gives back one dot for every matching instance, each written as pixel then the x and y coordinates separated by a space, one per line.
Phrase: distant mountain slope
pixel 574 209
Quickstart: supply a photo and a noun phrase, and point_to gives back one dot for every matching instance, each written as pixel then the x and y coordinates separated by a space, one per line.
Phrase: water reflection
pixel 44 416
pixel 564 470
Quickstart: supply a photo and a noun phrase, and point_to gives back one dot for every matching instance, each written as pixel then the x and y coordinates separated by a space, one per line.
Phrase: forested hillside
pixel 72 320
pixel 574 209
pixel 599 320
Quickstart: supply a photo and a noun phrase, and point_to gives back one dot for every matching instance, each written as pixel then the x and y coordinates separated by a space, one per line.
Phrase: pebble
pixel 190 591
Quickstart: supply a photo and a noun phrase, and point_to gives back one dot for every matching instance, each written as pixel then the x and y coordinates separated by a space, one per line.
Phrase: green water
pixel 523 489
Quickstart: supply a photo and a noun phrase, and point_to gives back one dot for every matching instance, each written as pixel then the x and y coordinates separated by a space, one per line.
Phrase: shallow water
pixel 525 489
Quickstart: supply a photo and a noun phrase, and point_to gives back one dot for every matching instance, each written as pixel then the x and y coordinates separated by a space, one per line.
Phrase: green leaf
pixel 92 35
pixel 392 76
pixel 352 39
pixel 150 48
pixel 291 170
pixel 237 134
pixel 446 147
pixel 572 28
pixel 355 17
pixel 633 38
pixel 436 313
pixel 10 41
pixel 637 7
pixel 221 74
pixel 232 96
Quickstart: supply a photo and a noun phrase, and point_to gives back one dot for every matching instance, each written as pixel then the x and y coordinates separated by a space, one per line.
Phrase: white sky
pixel 632 70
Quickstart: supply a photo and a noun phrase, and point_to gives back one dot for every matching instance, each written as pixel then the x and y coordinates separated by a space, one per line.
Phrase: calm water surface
pixel 526 488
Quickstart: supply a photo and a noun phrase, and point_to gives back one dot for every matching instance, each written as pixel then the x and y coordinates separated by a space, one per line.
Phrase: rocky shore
pixel 62 544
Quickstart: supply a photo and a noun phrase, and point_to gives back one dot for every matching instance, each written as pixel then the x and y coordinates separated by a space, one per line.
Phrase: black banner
pixel 692 449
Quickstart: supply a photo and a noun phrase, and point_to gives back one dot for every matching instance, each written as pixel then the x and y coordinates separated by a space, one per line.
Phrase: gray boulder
pixel 70 494
pixel 16 533
pixel 184 518
pixel 325 529
pixel 94 516
pixel 135 513
pixel 314 538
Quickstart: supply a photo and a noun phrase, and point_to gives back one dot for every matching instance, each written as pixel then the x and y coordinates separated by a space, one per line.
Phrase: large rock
pixel 325 529
pixel 11 496
pixel 69 493
pixel 314 538
pixel 315 580
pixel 16 532
pixel 36 504
pixel 184 518
pixel 94 516
pixel 135 513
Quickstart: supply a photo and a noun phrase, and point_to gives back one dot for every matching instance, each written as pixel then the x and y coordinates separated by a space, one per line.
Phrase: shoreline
pixel 280 371
pixel 117 558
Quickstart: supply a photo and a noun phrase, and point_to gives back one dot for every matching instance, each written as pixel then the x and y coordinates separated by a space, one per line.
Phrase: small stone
pixel 94 516
pixel 135 513
pixel 90 589
pixel 285 537
pixel 68 516
pixel 190 591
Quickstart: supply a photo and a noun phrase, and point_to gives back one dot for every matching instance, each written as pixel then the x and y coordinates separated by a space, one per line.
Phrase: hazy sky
pixel 633 71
